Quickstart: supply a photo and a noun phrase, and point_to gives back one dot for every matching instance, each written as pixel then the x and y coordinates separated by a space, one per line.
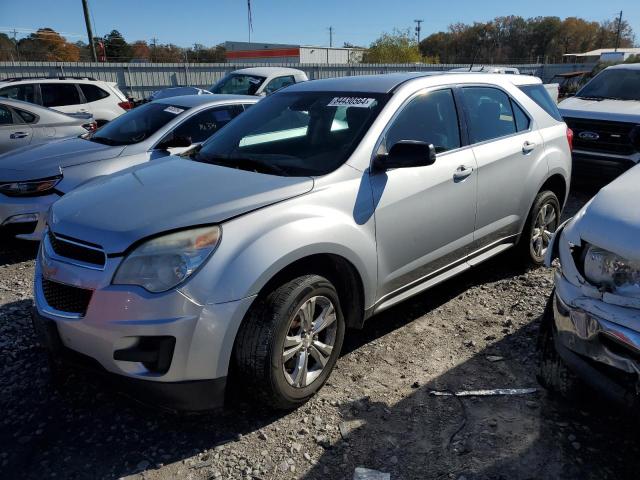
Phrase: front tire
pixel 542 222
pixel 290 342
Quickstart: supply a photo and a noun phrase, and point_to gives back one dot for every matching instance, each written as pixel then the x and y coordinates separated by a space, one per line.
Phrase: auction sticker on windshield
pixel 351 102
pixel 174 110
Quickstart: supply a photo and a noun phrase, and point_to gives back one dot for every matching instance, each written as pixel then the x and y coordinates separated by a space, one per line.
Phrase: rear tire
pixel 542 222
pixel 290 342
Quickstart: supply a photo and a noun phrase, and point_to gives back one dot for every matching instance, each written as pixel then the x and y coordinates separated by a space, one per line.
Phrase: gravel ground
pixel 474 332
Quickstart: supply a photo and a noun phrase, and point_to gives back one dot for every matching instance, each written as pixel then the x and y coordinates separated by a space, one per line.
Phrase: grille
pixel 613 136
pixel 75 251
pixel 66 298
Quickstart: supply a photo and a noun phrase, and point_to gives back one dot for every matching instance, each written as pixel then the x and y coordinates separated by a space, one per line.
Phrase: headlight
pixel 30 188
pixel 617 274
pixel 164 262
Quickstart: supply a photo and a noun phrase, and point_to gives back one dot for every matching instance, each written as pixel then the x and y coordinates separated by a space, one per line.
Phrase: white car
pixel 259 81
pixel 103 100
pixel 605 118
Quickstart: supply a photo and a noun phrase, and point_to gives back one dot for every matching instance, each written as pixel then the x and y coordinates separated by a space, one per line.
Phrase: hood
pixel 168 194
pixel 612 219
pixel 612 110
pixel 46 159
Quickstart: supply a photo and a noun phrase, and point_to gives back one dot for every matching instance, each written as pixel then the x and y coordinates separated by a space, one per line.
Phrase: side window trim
pixel 511 99
pixel 422 91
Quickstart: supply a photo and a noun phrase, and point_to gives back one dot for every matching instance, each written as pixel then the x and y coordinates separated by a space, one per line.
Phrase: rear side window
pixel 26 116
pixel 59 94
pixel 430 118
pixel 6 118
pixel 25 92
pixel 278 83
pixel 490 113
pixel 539 94
pixel 92 93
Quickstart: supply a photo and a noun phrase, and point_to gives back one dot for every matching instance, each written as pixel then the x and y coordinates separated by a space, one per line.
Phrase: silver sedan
pixel 32 178
pixel 23 124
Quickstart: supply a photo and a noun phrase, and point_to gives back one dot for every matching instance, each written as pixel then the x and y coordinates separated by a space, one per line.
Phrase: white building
pixel 254 52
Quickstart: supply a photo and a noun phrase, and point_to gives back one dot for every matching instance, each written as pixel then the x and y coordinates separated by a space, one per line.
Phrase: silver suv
pixel 322 205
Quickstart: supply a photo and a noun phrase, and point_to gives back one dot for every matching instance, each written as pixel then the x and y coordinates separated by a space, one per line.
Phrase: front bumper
pixel 25 229
pixel 599 341
pixel 598 166
pixel 121 317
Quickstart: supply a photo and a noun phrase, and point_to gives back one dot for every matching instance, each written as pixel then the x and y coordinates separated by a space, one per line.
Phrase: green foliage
pixel 396 47
pixel 513 39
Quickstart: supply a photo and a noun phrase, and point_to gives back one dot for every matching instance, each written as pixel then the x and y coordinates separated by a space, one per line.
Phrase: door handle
pixel 461 173
pixel 16 135
pixel 528 146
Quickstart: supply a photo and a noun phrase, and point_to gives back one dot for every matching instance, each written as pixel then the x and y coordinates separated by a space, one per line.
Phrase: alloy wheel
pixel 545 224
pixel 309 341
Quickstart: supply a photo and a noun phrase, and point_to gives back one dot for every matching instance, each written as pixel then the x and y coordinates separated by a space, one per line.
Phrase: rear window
pixel 539 94
pixel 24 92
pixel 92 93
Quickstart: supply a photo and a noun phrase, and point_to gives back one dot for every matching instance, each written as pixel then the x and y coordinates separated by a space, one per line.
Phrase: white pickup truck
pixel 605 118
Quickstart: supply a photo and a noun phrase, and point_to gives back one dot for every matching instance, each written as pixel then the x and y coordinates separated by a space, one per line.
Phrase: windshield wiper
pixel 244 164
pixel 591 97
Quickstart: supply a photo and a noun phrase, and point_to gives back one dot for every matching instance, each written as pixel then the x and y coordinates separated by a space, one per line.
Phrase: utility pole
pixel 92 47
pixel 249 19
pixel 154 42
pixel 418 28
pixel 618 33
pixel 330 36
pixel 15 42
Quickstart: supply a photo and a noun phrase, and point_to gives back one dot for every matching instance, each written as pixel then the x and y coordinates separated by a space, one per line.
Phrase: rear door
pixel 13 132
pixel 510 155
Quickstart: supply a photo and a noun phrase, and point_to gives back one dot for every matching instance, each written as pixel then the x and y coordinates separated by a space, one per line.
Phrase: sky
pixel 305 22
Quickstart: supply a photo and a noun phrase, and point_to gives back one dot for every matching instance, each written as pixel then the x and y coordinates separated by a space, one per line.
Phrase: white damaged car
pixel 590 332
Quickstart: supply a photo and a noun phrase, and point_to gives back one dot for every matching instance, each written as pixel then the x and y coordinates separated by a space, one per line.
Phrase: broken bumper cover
pixel 600 342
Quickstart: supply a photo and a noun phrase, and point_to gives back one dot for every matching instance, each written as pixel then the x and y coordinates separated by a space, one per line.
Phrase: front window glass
pixel 430 118
pixel 617 84
pixel 237 84
pixel 137 125
pixel 204 124
pixel 278 83
pixel 5 116
pixel 24 92
pixel 295 134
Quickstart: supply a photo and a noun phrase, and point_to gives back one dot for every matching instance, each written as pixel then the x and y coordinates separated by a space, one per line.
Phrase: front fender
pixel 256 246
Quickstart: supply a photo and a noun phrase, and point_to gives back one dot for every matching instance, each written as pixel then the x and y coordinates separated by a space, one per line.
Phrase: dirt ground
pixel 477 331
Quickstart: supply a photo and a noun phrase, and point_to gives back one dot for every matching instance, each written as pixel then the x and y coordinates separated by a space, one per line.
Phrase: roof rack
pixel 17 79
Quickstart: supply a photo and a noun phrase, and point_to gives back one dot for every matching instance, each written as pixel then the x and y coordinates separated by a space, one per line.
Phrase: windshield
pixel 238 84
pixel 137 125
pixel 295 134
pixel 617 83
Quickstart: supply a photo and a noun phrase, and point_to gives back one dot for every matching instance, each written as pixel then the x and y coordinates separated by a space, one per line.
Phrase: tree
pixel 200 53
pixel 140 51
pixel 7 48
pixel 398 47
pixel 116 47
pixel 48 45
pixel 168 53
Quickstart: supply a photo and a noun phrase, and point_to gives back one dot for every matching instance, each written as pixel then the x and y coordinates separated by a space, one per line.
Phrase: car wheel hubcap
pixel 545 225
pixel 309 342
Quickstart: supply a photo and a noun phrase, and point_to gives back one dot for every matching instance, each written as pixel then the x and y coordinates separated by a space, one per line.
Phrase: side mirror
pixel 174 142
pixel 406 154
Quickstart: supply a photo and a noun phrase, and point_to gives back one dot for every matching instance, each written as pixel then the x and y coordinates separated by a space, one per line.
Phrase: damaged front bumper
pixel 597 333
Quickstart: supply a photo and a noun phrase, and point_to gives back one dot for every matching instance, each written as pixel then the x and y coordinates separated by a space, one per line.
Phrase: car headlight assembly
pixel 163 263
pixel 612 272
pixel 30 188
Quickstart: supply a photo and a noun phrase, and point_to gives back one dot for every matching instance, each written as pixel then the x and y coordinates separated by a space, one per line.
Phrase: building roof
pixel 600 51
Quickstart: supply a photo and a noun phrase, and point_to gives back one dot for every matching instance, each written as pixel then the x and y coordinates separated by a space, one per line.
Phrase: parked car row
pixel 195 241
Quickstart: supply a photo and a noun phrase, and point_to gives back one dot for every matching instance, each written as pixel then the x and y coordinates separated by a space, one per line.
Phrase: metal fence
pixel 139 80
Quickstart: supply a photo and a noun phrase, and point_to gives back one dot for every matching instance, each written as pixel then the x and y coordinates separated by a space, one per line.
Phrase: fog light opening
pixel 155 353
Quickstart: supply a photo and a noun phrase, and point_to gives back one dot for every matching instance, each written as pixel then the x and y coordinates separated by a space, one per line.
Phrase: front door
pixel 13 134
pixel 425 216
